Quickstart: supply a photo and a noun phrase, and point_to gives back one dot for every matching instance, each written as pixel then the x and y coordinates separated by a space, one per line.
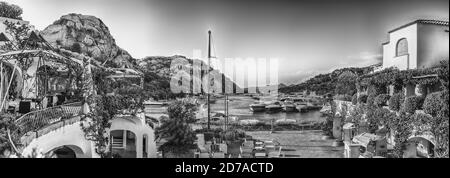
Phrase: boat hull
pixel 258 108
pixel 273 109
pixel 289 108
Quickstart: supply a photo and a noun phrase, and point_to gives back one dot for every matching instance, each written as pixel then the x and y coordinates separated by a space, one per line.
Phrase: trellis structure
pixel 39 58
pixel 23 60
pixel 32 62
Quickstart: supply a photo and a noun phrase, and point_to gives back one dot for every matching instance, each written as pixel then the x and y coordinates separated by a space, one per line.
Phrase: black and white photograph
pixel 244 79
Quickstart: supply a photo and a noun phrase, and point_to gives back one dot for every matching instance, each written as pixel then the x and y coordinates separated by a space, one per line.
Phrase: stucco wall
pixel 70 135
pixel 139 128
pixel 389 49
pixel 433 44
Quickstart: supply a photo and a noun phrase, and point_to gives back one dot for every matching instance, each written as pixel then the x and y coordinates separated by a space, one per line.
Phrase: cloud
pixel 362 59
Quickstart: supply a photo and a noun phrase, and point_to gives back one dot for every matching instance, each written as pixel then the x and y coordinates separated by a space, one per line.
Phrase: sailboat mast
pixel 209 79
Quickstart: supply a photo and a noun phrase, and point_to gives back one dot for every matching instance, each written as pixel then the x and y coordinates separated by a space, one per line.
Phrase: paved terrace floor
pixel 302 144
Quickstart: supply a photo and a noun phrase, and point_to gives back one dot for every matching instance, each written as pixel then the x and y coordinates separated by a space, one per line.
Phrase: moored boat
pixel 285 121
pixel 258 107
pixel 289 107
pixel 301 107
pixel 274 107
pixel 307 106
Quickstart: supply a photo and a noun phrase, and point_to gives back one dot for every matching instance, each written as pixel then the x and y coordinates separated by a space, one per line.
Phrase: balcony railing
pixel 36 120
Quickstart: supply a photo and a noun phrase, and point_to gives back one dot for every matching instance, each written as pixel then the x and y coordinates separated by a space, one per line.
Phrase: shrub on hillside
pixel 362 98
pixel 381 100
pixel 346 83
pixel 355 99
pixel 433 103
pixel 412 104
pixel 371 99
pixel 395 102
pixel 76 47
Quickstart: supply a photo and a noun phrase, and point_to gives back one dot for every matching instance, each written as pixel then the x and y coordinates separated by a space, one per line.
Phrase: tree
pixel 7 124
pixel 10 11
pixel 346 83
pixel 176 128
pixel 401 125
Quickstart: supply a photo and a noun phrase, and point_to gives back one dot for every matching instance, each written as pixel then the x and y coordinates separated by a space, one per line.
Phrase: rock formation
pixel 90 36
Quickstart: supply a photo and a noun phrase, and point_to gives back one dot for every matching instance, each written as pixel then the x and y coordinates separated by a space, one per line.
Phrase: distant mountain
pixel 160 69
pixel 324 83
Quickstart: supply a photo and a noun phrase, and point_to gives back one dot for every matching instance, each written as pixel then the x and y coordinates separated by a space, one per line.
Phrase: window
pixel 402 47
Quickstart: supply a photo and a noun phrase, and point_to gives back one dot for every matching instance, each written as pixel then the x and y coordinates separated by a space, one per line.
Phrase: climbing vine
pixel 111 97
pixel 404 120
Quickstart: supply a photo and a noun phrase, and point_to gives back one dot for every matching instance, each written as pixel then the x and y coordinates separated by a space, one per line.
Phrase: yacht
pixel 274 107
pixel 258 107
pixel 289 107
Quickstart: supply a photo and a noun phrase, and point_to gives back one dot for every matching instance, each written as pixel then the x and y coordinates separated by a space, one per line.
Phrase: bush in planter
pixel 371 99
pixel 412 104
pixel 381 100
pixel 395 102
pixel 355 99
pixel 362 98
pixel 433 103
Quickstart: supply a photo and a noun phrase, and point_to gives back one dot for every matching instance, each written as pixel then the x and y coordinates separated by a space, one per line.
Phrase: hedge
pixel 433 103
pixel 413 103
pixel 381 100
pixel 355 99
pixel 395 102
pixel 371 99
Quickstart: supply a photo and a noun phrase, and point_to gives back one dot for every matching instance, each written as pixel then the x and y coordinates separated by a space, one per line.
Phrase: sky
pixel 308 37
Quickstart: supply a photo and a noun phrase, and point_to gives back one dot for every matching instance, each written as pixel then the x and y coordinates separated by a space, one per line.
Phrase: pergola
pixel 33 65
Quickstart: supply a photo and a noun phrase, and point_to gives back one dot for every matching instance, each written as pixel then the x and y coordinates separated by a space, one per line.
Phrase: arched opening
pixel 145 146
pixel 402 47
pixel 419 147
pixel 66 151
pixel 123 143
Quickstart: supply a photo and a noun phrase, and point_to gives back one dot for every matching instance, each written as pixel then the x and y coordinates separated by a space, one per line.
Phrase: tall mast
pixel 209 79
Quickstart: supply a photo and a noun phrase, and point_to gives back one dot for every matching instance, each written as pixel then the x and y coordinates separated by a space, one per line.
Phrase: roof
pixel 425 76
pixel 349 126
pixel 365 138
pixel 11 55
pixel 124 73
pixel 422 21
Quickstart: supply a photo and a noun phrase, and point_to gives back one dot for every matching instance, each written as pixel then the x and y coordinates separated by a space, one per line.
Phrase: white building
pixel 419 44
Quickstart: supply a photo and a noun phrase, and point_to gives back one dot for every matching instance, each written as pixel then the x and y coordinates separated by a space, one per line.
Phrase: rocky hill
pixel 159 68
pixel 90 36
pixel 324 83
